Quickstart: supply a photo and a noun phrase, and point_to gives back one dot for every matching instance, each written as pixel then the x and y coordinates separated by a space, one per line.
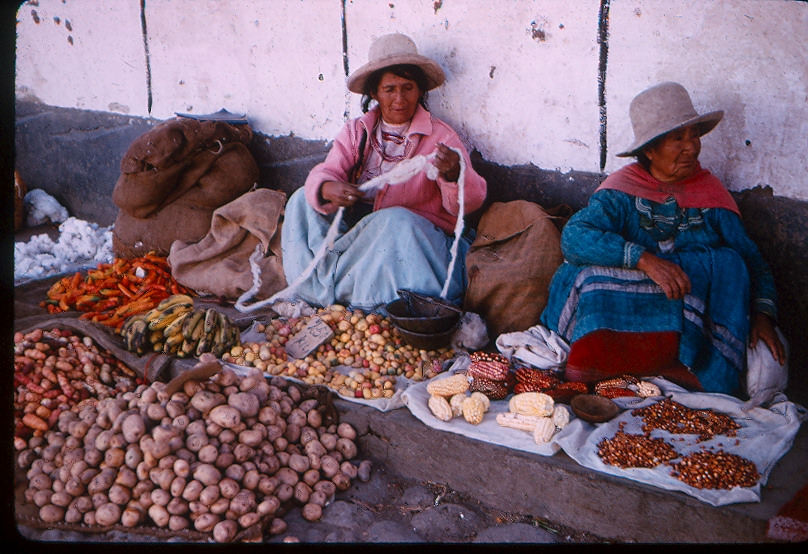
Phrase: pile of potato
pixel 367 343
pixel 55 369
pixel 228 456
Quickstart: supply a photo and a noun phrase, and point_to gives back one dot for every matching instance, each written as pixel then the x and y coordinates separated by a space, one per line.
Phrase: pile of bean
pixel 55 369
pixel 627 450
pixel 676 418
pixel 227 457
pixel 716 470
pixel 368 343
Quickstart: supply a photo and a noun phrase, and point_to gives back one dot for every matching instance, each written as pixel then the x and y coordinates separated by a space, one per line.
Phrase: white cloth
pixel 538 347
pixel 766 379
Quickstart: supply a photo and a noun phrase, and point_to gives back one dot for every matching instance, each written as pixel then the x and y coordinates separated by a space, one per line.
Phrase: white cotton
pixel 79 244
pixel 41 207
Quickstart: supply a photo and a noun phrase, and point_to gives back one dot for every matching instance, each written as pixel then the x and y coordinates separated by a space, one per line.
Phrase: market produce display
pixel 368 344
pixel 227 457
pixel 176 328
pixel 54 370
pixel 114 291
pixel 674 417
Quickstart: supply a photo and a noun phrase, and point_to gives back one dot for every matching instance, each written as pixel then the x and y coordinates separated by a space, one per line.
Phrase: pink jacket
pixel 434 200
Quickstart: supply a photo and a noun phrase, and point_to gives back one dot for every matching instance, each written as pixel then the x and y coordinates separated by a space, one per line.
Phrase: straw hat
pixel 394 49
pixel 661 109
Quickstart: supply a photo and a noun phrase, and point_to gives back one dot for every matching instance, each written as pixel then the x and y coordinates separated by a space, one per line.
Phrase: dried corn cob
pixel 456 403
pixel 560 416
pixel 518 421
pixel 439 407
pixel 473 410
pixel 534 380
pixel 543 431
pixel 495 390
pixel 531 403
pixel 622 382
pixel 483 398
pixel 495 371
pixel 647 389
pixel 615 392
pixel 564 392
pixel 448 386
pixel 481 356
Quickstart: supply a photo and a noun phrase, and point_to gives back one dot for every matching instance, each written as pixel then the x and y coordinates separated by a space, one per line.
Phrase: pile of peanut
pixel 54 370
pixel 705 469
pixel 367 343
pixel 627 450
pixel 673 417
pixel 228 457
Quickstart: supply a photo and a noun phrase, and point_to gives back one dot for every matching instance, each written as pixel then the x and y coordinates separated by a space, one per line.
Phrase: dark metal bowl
pixel 427 341
pixel 424 318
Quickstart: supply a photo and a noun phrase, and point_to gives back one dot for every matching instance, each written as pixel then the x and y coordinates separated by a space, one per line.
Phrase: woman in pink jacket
pixel 394 237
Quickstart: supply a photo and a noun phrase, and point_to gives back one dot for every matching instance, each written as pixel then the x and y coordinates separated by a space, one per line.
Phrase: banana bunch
pixel 174 327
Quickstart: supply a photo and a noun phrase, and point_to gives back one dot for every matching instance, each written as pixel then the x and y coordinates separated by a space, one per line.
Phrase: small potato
pixel 243 502
pixel 277 526
pixel 192 490
pixel 225 531
pixel 348 469
pixel 329 441
pixel 178 523
pixel 108 514
pixel 312 512
pixel 302 492
pixel 329 466
pixel 119 494
pixel 248 520
pixel 220 506
pixel 209 495
pixel 314 418
pixel 182 468
pixel 131 516
pixel 299 463
pixel 206 522
pixel 251 479
pixel 342 481
pixel 311 476
pixel 207 474
pixel 246 403
pixel 268 506
pixel 267 485
pixel 250 437
pixel 159 515
pixel 347 448
pixel 228 487
pixel 177 507
pixel 133 427
pixel 319 498
pixel 235 472
pixel 208 454
pixel 346 430
pixel 284 492
pixel 292 433
pixel 363 472
pixel 225 416
pixel 50 513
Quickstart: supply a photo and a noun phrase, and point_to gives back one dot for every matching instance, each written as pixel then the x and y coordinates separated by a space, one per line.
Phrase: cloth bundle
pixel 172 179
pixel 219 264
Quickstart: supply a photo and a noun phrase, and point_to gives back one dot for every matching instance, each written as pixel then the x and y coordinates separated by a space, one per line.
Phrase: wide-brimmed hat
pixel 661 109
pixel 394 49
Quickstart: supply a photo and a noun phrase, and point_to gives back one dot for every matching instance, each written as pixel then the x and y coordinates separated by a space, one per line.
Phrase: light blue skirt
pixel 387 250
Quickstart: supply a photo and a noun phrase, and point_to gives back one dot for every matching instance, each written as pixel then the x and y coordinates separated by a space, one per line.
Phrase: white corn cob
pixel 439 407
pixel 560 417
pixel 543 431
pixel 518 421
pixel 531 403
pixel 456 403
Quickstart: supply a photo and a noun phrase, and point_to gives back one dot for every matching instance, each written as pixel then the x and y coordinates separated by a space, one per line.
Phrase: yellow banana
pixel 211 318
pixel 172 300
pixel 191 321
pixel 169 315
pixel 199 329
pixel 175 327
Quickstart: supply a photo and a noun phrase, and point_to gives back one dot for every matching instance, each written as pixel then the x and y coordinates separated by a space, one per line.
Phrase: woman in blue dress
pixel 660 250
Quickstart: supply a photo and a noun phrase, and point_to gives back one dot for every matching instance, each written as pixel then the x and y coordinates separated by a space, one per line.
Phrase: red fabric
pixel 791 522
pixel 700 190
pixel 605 353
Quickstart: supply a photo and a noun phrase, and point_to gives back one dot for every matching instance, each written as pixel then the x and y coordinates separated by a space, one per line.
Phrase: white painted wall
pixel 522 75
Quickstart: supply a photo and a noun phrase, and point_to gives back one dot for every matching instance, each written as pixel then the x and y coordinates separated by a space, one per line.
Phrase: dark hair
pixel 405 71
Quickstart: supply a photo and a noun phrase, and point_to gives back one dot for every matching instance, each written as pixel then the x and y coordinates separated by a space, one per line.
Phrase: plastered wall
pixel 542 82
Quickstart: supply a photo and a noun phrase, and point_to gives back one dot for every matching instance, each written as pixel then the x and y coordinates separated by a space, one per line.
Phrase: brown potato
pixel 50 513
pixel 108 514
pixel 312 511
pixel 225 530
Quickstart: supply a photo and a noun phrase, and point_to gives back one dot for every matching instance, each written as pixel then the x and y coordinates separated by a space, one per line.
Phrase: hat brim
pixel 706 123
pixel 434 74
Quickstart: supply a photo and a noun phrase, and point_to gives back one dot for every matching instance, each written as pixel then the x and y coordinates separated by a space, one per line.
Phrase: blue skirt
pixel 713 320
pixel 386 250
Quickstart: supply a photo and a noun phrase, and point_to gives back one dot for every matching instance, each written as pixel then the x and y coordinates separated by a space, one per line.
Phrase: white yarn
pixel 402 172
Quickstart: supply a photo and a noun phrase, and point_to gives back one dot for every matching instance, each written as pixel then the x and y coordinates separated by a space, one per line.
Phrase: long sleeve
pixel 594 235
pixel 763 292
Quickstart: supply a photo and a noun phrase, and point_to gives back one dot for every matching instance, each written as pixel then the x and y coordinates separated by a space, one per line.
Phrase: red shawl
pixel 700 190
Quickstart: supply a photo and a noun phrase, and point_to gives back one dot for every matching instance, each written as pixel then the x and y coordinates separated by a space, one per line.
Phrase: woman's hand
pixel 763 329
pixel 674 281
pixel 448 162
pixel 339 193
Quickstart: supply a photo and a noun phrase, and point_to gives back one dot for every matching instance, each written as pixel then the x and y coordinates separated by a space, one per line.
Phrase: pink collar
pixel 700 190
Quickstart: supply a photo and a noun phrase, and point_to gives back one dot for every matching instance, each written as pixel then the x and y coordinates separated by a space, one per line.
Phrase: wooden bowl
pixel 594 408
pixel 426 319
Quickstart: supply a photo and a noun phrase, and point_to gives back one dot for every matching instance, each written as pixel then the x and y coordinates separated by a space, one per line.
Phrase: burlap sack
pixel 172 179
pixel 219 264
pixel 510 264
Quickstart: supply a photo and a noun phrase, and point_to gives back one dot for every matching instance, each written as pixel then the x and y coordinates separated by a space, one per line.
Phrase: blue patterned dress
pixel 599 287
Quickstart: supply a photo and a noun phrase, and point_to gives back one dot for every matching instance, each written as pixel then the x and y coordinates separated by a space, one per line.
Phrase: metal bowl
pixel 594 408
pixel 426 341
pixel 421 317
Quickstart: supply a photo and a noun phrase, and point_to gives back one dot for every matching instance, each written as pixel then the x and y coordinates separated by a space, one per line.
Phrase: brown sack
pixel 172 179
pixel 510 264
pixel 219 264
